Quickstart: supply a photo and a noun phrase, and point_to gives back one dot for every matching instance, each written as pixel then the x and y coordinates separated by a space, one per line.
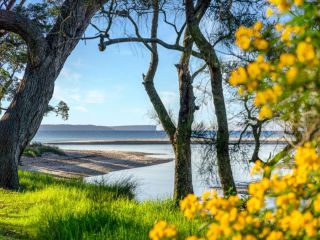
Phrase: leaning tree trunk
pixel 209 56
pixel 22 119
pixel 46 57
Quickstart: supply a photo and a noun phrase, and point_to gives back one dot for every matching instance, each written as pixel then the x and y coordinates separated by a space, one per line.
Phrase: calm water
pixel 155 182
pixel 59 136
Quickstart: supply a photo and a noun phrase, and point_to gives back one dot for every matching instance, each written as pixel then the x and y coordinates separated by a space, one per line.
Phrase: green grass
pixel 50 208
pixel 37 149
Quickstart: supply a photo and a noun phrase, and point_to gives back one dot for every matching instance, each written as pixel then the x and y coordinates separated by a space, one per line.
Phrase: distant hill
pixel 69 127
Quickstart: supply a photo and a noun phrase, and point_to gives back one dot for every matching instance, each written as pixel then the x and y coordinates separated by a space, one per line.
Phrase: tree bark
pixel 256 130
pixel 46 57
pixel 180 136
pixel 211 59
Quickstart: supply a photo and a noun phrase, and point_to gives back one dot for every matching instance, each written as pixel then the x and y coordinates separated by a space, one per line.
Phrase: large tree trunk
pixel 209 56
pixel 182 138
pixel 222 144
pixel 182 174
pixel 22 119
pixel 46 57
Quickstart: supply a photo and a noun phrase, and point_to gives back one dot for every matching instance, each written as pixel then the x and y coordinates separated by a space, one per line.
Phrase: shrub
pixel 285 79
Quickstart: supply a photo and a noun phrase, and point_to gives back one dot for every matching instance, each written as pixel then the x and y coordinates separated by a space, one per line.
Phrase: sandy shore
pixel 78 163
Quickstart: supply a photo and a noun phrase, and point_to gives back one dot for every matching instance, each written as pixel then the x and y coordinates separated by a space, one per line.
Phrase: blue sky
pixel 105 88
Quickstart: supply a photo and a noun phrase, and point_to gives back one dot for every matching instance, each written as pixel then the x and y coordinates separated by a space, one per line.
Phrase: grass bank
pixel 49 208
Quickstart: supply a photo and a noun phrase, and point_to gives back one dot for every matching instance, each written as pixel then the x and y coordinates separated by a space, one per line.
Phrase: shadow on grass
pixel 31 182
pixel 10 231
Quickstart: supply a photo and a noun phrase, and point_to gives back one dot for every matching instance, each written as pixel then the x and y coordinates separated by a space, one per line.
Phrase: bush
pixel 38 149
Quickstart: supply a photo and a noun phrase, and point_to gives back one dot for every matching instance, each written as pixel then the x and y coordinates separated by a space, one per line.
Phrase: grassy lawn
pixel 49 208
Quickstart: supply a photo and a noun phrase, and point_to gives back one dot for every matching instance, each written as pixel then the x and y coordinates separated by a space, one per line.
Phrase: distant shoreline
pixel 154 141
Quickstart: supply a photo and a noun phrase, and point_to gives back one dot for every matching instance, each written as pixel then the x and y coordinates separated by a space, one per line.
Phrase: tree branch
pixel 150 40
pixel 28 30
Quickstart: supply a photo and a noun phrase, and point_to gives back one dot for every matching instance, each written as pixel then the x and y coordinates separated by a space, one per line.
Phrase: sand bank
pixel 84 163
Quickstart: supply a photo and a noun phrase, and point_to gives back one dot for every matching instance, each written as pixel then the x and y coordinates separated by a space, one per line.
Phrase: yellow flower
pixel 252 85
pixel 193 238
pixel 254 204
pixel 253 70
pixel 243 37
pixel 298 2
pixel 269 12
pixel 241 91
pixel 291 74
pixel 162 230
pixel 258 26
pixel 250 237
pixel 287 59
pixel 286 35
pixel 261 44
pixel 265 113
pixel 279 27
pixel 275 235
pixel 283 5
pixel 277 90
pixel 236 237
pixel 238 76
pixel 305 52
pixel 190 206
pixel 257 168
pixel 260 58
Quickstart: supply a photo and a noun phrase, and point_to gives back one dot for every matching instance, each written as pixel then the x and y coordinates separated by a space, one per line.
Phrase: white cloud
pixel 70 74
pixel 81 109
pixel 94 96
pixel 168 98
pixel 79 96
pixel 78 63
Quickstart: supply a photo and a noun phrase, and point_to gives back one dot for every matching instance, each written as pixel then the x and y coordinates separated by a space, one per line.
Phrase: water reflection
pixel 156 182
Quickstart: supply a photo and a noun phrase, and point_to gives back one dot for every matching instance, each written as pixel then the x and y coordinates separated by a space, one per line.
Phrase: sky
pixel 105 88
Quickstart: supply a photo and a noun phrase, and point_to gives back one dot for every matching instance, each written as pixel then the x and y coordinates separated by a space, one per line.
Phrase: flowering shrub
pixel 285 76
pixel 285 81
pixel 293 211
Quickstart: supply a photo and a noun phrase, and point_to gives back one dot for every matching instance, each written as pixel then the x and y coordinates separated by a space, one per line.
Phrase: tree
pixel 180 133
pixel 47 54
pixel 295 100
pixel 224 34
pixel 209 56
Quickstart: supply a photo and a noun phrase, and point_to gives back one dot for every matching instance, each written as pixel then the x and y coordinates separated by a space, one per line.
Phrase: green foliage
pixel 37 149
pixel 50 208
